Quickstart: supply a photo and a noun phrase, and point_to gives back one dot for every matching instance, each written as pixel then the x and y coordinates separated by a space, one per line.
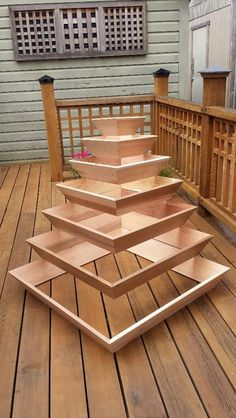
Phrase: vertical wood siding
pixel 22 130
pixel 199 8
pixel 219 32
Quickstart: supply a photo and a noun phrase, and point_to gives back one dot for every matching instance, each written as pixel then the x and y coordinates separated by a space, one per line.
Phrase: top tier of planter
pixel 118 126
pixel 119 139
pixel 120 155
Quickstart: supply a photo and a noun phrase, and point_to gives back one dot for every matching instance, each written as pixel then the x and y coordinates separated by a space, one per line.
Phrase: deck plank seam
pixel 122 389
pixel 50 355
pixel 113 354
pixel 182 358
pixel 17 356
pixel 26 294
pixel 22 310
pixel 194 320
pixel 170 333
pixel 142 337
pixel 224 254
pixel 202 254
pixel 9 197
pixel 81 351
pixel 13 241
pixel 3 174
pixel 117 369
pixel 212 244
pixel 219 363
pixel 142 340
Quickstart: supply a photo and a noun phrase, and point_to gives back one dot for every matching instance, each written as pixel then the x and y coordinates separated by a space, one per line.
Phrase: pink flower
pixel 85 154
pixel 79 155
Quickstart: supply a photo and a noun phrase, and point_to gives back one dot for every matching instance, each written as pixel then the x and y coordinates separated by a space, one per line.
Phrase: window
pixel 80 30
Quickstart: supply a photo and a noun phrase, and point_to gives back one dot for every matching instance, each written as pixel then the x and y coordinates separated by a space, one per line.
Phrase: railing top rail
pixel 182 104
pixel 116 100
pixel 221 113
pixel 217 111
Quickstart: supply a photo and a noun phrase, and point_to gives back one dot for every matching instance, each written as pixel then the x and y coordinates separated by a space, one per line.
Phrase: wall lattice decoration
pixel 78 30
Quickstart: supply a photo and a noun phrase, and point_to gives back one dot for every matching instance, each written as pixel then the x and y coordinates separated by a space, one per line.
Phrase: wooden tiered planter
pixel 142 216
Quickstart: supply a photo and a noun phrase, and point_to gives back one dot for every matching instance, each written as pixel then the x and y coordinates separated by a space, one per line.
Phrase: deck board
pixel 3 172
pixel 184 367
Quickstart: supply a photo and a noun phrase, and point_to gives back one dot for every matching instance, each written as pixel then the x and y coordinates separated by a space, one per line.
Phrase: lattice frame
pixel 75 122
pixel 78 30
pixel 124 28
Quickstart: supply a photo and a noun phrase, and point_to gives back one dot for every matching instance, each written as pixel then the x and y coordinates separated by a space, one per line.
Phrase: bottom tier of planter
pixel 205 273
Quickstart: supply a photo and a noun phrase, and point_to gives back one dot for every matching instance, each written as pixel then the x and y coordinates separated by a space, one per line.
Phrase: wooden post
pixel 214 90
pixel 214 86
pixel 161 82
pixel 50 113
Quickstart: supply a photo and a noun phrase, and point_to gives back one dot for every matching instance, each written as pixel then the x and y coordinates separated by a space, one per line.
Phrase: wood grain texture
pixel 12 296
pixel 117 199
pixel 119 233
pixel 130 358
pixel 130 169
pixel 8 179
pixel 210 273
pixel 50 113
pixel 60 249
pixel 113 149
pixel 58 31
pixel 200 361
pixel 66 349
pixel 32 365
pixel 9 224
pixel 191 382
pixel 103 383
pixel 175 386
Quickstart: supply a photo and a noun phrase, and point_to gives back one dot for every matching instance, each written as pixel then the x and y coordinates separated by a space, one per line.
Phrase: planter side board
pixel 120 340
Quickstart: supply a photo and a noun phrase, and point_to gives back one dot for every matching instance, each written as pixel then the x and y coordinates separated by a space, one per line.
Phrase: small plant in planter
pixel 78 156
pixel 167 171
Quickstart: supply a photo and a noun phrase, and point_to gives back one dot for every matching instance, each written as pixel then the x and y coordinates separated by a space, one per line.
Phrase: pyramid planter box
pixel 141 216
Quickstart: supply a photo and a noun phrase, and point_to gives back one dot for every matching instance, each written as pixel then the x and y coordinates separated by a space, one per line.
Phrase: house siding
pixel 198 8
pixel 219 15
pixel 22 129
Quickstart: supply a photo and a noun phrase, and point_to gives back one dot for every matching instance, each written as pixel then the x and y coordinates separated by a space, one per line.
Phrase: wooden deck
pixel 184 367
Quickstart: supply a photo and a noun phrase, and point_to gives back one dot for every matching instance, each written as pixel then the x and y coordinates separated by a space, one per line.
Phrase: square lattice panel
pixel 78 30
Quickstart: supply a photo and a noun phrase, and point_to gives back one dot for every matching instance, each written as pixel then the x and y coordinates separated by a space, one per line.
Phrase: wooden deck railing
pixel 201 140
pixel 74 118
pixel 202 144
pixel 179 130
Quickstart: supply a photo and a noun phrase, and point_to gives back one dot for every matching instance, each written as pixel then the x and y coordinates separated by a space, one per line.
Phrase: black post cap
pixel 161 73
pixel 46 79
